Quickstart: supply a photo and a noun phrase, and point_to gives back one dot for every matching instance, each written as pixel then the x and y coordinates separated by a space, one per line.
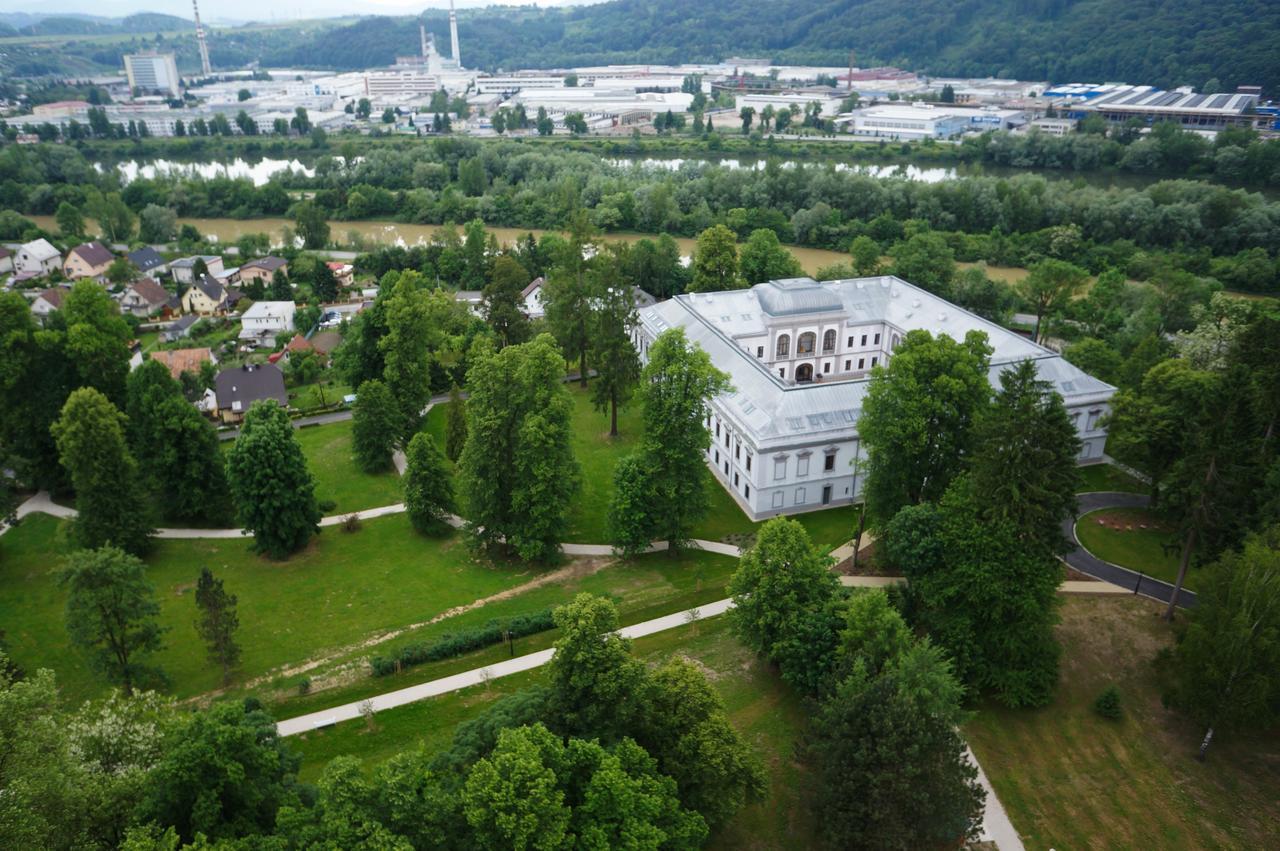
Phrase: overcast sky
pixel 258 10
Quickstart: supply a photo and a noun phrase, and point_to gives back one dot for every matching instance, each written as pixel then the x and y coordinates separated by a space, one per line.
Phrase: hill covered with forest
pixel 1149 41
pixel 1159 42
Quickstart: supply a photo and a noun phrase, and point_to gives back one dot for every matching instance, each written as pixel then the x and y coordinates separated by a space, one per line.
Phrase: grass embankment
pixel 761 707
pixel 1136 538
pixel 1105 477
pixel 1071 779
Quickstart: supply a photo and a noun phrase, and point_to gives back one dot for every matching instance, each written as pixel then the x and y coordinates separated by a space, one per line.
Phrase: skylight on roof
pixel 795 423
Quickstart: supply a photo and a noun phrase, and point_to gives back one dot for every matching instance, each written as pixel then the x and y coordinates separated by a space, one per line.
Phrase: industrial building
pixel 799 355
pixel 1117 103
pixel 915 121
pixel 153 72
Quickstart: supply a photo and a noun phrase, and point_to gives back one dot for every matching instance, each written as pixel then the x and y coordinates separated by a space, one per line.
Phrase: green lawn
pixel 1131 545
pixel 1105 477
pixel 318 394
pixel 647 587
pixel 598 454
pixel 344 588
pixel 337 478
pixel 763 709
pixel 1070 779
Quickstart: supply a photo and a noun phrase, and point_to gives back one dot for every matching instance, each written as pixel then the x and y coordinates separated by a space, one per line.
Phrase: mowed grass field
pixel 598 455
pixel 338 479
pixel 341 589
pixel 1072 779
pixel 1134 538
pixel 767 713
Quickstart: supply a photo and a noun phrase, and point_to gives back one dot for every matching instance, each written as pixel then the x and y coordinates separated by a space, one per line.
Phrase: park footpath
pixel 996 827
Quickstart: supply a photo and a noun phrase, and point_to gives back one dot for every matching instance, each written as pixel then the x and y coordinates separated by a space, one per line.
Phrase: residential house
pixel 179 328
pixel 183 269
pixel 262 269
pixel 38 257
pixel 532 295
pixel 148 261
pixel 473 299
pixel 238 388
pixel 264 321
pixel 183 360
pixel 344 273
pixel 800 354
pixel 49 301
pixel 229 276
pixel 205 297
pixel 144 297
pixel 89 260
pixel 6 260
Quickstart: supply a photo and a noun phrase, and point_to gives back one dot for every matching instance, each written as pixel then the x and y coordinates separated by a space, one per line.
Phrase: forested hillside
pixel 1154 41
pixel 1142 41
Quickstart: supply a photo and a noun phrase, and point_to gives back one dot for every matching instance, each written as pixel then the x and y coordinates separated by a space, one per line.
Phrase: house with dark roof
pixel 179 328
pixel 143 297
pixel 205 297
pixel 238 388
pixel 148 261
pixel 262 269
pixel 89 260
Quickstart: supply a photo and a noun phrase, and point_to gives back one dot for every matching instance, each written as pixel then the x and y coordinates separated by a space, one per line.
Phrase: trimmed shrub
pixel 456 643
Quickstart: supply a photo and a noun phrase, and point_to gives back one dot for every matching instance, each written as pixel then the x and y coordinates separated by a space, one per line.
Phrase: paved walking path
pixel 996 826
pixel 1131 580
pixel 478 676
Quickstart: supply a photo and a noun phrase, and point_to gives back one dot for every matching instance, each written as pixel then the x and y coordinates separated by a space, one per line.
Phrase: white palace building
pixel 799 355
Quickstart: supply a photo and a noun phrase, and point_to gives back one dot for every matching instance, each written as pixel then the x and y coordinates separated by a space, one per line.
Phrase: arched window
pixel 784 345
pixel 896 341
pixel 829 341
pixel 806 343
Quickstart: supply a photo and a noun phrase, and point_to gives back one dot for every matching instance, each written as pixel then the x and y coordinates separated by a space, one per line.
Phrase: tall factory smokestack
pixel 453 34
pixel 205 68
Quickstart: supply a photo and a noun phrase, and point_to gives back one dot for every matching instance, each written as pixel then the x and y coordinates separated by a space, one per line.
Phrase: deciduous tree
pixel 675 387
pixel 455 425
pixel 567 296
pixel 111 614
pixel 715 261
pixel 1226 667
pixel 517 470
pixel 617 361
pixel 763 258
pixel 271 488
pixel 111 503
pixel 376 427
pixel 504 300
pixel 918 416
pixel 1050 287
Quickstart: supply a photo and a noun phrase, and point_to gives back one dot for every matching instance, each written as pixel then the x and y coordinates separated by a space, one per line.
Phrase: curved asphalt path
pixel 1087 563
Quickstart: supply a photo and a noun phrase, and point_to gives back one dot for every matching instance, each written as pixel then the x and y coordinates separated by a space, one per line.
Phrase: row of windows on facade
pixel 806 342
pixel 778 497
pixel 779 464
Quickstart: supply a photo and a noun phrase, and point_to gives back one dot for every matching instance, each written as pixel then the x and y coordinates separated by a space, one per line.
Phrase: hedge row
pixel 456 643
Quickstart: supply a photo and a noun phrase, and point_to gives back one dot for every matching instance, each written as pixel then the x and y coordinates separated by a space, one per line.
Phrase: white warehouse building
pixel 799 356
pixel 915 121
